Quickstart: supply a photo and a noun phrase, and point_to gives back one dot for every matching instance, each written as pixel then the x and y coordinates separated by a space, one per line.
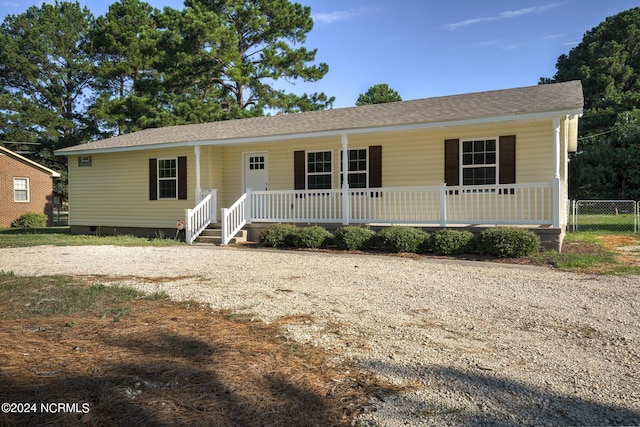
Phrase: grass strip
pixel 60 236
pixel 42 296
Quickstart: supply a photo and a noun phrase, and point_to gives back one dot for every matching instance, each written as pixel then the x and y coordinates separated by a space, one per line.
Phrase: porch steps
pixel 212 235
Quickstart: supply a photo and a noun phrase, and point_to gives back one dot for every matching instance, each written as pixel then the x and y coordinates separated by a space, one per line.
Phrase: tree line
pixel 67 78
pixel 607 61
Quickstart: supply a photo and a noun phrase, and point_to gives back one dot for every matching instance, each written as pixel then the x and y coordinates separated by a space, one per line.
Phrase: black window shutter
pixel 375 166
pixel 182 178
pixel 507 154
pixel 452 162
pixel 298 170
pixel 153 179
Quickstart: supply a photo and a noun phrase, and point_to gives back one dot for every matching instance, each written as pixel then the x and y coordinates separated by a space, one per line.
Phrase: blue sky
pixel 424 48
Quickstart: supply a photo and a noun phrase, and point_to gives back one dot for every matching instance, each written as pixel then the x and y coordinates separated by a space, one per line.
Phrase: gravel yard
pixel 483 343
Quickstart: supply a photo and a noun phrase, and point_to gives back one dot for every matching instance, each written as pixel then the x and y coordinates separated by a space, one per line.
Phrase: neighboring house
pixel 478 159
pixel 25 186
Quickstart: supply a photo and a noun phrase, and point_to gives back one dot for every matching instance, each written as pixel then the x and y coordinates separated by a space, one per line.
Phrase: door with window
pixel 256 172
pixel 256 177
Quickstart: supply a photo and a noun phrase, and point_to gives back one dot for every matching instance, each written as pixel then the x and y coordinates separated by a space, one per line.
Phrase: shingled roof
pixel 508 104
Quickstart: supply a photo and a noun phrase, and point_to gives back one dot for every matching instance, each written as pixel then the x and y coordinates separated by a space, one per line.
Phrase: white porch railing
pixel 198 218
pixel 507 204
pixel 296 206
pixel 441 205
pixel 511 204
pixel 235 217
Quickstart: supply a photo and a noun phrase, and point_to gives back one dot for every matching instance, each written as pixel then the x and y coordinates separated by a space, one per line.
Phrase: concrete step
pixel 213 236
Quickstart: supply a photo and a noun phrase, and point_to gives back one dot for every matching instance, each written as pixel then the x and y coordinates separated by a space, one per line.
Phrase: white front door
pixel 256 172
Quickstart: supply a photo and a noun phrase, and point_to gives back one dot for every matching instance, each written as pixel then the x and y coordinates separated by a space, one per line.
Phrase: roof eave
pixel 334 132
pixel 51 172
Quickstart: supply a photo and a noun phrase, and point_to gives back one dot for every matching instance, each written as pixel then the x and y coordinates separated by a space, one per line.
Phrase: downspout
pixel 557 195
pixel 345 180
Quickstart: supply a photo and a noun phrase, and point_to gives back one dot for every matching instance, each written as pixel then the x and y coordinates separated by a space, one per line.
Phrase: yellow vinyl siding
pixel 280 163
pixel 114 191
pixel 534 154
pixel 214 163
pixel 416 158
pixel 409 158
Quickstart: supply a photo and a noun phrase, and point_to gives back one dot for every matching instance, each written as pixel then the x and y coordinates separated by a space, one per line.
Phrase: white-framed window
pixel 358 174
pixel 256 162
pixel 20 189
pixel 168 178
pixel 319 170
pixel 84 161
pixel 479 165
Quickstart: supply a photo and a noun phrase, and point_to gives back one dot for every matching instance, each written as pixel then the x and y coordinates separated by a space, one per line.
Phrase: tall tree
pixel 241 48
pixel 186 88
pixel 607 61
pixel 45 71
pixel 125 47
pixel 378 94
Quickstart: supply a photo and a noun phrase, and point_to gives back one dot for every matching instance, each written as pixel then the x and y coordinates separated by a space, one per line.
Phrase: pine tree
pixel 378 94
pixel 45 72
pixel 607 61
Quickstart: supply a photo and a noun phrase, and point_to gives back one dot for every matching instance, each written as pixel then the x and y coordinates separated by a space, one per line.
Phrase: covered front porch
pixel 534 204
pixel 439 206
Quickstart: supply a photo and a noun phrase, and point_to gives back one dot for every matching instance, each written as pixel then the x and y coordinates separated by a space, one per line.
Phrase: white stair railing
pixel 200 217
pixel 235 217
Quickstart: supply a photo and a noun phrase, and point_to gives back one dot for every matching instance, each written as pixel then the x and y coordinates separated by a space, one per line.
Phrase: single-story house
pixel 25 186
pixel 471 160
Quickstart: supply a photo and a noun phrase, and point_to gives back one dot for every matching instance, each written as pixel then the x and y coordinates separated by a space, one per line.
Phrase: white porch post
pixel 247 206
pixel 557 196
pixel 345 180
pixel 196 152
pixel 443 205
pixel 188 226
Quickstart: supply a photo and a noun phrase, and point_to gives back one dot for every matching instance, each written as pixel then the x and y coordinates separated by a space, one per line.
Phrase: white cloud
pixel 512 46
pixel 503 15
pixel 457 25
pixel 516 13
pixel 486 43
pixel 338 15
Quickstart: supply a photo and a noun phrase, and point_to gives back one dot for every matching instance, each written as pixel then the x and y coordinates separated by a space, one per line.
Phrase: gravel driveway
pixel 484 343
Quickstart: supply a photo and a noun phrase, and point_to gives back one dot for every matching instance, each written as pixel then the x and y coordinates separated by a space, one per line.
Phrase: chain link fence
pixel 605 215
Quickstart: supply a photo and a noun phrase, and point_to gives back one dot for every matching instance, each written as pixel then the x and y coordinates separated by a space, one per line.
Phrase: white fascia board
pixel 51 172
pixel 333 132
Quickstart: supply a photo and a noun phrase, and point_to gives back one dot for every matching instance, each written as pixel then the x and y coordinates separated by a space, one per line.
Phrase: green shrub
pixel 508 242
pixel 354 238
pixel 278 235
pixel 30 220
pixel 312 237
pixel 452 242
pixel 402 239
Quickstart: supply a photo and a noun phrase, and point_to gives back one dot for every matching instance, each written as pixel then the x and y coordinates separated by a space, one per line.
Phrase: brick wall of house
pixel 40 190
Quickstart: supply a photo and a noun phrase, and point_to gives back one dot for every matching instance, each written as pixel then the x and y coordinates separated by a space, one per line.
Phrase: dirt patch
pixel 173 364
pixel 626 248
pixel 482 343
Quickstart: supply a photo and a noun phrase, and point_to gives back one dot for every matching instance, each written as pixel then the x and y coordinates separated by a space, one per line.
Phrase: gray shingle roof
pixel 564 98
